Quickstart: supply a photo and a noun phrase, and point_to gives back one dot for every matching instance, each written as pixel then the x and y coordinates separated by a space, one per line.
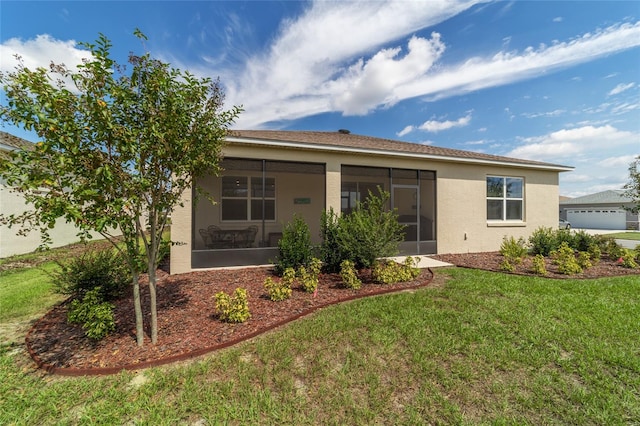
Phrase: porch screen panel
pixel 358 181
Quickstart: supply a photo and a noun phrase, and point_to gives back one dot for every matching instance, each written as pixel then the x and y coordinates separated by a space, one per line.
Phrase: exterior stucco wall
pixel 12 244
pixel 461 224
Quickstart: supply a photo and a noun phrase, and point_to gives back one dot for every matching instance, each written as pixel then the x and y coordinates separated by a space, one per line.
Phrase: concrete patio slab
pixel 424 262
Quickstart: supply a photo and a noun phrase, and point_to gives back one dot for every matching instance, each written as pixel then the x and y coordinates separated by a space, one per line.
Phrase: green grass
pixel 625 236
pixel 482 348
pixel 26 292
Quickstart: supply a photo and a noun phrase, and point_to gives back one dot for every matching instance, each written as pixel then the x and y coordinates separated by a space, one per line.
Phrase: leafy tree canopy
pixel 632 188
pixel 118 147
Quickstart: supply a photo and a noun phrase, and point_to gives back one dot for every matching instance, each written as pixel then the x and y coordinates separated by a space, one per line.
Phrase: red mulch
pixel 187 320
pixel 189 326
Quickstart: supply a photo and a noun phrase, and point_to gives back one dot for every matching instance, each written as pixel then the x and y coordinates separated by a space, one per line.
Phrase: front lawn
pixel 635 236
pixel 475 347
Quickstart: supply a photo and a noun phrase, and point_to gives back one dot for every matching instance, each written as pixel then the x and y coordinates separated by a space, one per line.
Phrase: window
pixel 248 198
pixel 505 198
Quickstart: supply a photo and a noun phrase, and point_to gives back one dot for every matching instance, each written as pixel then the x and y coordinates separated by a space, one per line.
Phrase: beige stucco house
pixel 12 202
pixel 451 201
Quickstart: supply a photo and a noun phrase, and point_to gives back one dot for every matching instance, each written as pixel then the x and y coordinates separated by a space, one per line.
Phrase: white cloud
pixel 569 144
pixel 621 161
pixel 405 131
pixel 508 67
pixel 435 126
pixel 352 57
pixel 366 85
pixel 620 88
pixel 40 52
pixel 315 57
pixel 589 149
pixel 558 19
pixel 554 113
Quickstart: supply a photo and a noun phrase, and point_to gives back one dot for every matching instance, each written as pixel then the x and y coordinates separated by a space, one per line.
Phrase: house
pixel 12 202
pixel 451 201
pixel 602 210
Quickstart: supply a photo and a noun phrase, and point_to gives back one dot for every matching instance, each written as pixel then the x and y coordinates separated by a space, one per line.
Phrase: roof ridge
pixel 352 140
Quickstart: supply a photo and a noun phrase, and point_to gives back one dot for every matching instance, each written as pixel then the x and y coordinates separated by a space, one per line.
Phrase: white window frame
pixel 504 199
pixel 248 198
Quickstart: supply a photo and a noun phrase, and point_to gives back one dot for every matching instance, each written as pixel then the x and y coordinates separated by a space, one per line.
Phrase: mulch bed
pixel 189 326
pixel 187 320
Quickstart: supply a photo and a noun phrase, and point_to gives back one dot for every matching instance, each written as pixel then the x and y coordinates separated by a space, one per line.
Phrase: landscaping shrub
pixel 581 241
pixel 233 308
pixel 506 266
pixel 564 236
pixel 331 251
pixel 608 246
pixel 584 260
pixel 369 232
pixel 538 265
pixel 349 275
pixel 289 276
pixel 277 289
pixel 565 258
pixel 543 241
pixel 105 269
pixel 513 250
pixel 627 259
pixel 295 246
pixel 95 315
pixel 309 275
pixel 594 252
pixel 389 272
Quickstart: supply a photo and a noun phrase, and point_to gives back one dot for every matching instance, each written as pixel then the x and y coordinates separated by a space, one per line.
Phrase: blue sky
pixel 555 81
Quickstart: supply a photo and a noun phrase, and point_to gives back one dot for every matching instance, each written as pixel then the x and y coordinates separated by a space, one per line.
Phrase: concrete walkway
pixel 425 261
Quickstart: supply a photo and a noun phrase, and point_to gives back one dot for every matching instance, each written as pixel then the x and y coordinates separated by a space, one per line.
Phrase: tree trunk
pixel 138 309
pixel 154 310
pixel 152 255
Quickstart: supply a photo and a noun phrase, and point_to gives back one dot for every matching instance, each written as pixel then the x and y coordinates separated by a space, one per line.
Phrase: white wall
pixel 11 243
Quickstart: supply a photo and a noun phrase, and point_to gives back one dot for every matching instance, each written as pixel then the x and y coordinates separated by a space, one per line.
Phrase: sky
pixel 553 81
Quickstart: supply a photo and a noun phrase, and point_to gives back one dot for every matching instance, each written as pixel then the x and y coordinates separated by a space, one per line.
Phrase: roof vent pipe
pixel 344 131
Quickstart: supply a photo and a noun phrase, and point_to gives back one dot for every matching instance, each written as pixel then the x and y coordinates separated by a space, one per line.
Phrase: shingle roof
pixel 349 141
pixel 605 197
pixel 9 142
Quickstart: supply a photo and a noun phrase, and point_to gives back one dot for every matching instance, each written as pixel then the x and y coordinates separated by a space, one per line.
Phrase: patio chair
pixel 206 238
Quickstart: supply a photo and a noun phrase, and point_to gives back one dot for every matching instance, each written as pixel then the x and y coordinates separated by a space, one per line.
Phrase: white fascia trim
pixel 320 147
pixel 4 147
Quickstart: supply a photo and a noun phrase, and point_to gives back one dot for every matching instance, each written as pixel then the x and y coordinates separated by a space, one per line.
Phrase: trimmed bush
pixel 95 315
pixel 513 250
pixel 538 265
pixel 627 259
pixel 389 272
pixel 371 231
pixel 105 269
pixel 295 246
pixel 565 258
pixel 309 275
pixel 349 275
pixel 331 251
pixel 543 241
pixel 277 290
pixel 234 308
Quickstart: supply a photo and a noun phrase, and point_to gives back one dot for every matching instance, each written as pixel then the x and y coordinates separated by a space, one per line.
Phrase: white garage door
pixel 597 218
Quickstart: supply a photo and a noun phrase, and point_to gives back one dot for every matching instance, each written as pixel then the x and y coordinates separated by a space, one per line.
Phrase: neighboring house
pixel 451 201
pixel 13 203
pixel 602 210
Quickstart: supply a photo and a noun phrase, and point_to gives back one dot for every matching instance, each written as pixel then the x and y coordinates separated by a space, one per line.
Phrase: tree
pixel 117 150
pixel 632 188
